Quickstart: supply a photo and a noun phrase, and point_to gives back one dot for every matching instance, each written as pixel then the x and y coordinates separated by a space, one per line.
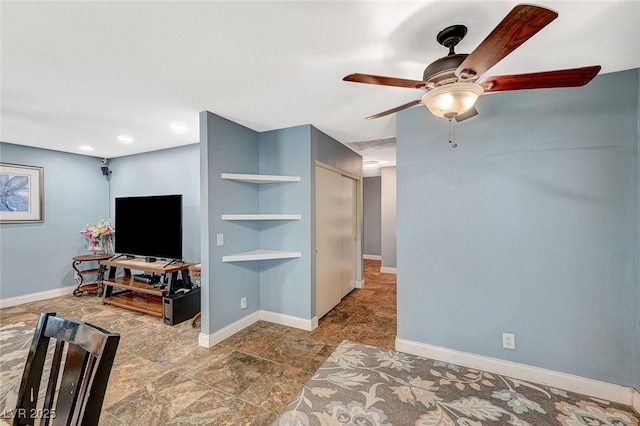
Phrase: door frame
pixel 359 277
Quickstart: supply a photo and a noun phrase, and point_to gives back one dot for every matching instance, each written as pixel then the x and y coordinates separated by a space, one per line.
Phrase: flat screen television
pixel 149 226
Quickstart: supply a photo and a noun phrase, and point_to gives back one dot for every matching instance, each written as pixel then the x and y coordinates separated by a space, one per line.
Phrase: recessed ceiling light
pixel 370 164
pixel 178 128
pixel 125 139
pixel 85 148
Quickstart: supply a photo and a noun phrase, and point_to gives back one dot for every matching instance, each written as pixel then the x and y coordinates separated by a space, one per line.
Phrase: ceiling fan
pixel 453 83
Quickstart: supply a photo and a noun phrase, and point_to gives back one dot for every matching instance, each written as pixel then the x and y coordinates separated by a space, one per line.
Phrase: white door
pixel 335 244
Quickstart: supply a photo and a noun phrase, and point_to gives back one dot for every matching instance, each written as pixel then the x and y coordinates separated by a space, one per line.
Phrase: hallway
pixel 366 315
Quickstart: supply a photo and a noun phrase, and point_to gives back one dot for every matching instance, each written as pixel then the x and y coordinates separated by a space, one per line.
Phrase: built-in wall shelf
pixel 261 216
pixel 260 178
pixel 260 255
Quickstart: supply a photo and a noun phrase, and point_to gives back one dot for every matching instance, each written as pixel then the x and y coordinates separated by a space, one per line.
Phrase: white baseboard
pixel 372 256
pixel 358 284
pixel 387 270
pixel 288 320
pixel 209 340
pixel 35 297
pixel 596 388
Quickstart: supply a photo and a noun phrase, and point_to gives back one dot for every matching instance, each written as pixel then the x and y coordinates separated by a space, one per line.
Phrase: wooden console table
pixel 141 296
pixel 83 285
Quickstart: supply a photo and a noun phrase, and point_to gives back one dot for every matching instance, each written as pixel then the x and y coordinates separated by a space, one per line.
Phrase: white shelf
pixel 260 216
pixel 260 178
pixel 260 255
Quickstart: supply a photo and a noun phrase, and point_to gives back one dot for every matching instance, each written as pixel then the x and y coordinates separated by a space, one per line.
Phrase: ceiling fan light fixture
pixel 452 99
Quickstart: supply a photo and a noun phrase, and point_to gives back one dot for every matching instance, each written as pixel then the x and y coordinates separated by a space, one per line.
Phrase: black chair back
pixel 76 378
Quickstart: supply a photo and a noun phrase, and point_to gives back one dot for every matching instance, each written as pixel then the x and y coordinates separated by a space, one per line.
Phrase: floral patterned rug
pixel 15 340
pixel 365 385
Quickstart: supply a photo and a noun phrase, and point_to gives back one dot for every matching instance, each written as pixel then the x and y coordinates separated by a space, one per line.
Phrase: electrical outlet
pixel 220 239
pixel 243 303
pixel 508 340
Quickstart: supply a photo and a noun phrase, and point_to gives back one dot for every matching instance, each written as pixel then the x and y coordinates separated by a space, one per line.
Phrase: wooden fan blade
pixel 575 77
pixel 471 113
pixel 396 109
pixel 385 81
pixel 518 26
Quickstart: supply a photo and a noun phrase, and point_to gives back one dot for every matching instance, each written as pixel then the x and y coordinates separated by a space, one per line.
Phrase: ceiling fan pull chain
pixel 452 133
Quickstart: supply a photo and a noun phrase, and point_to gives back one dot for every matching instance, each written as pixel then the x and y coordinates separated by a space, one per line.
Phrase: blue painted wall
pixel 285 285
pixel 163 172
pixel 37 257
pixel 228 147
pixel 281 286
pixel 528 227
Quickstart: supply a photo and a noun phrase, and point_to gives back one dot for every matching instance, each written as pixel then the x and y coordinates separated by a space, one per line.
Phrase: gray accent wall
pixel 326 149
pixel 37 257
pixel 388 217
pixel 371 211
pixel 529 227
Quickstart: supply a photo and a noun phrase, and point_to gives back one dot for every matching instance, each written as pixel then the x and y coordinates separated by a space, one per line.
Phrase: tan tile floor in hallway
pixel 161 375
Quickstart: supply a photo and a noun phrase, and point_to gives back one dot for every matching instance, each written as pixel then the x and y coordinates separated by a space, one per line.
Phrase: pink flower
pixel 96 230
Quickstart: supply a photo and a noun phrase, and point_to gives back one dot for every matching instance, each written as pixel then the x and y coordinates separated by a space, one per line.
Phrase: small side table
pixel 195 271
pixel 92 286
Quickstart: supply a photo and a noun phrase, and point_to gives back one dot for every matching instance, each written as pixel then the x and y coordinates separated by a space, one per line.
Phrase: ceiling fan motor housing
pixel 442 71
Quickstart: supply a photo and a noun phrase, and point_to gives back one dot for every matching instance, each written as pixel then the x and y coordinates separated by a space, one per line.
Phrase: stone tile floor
pixel 161 375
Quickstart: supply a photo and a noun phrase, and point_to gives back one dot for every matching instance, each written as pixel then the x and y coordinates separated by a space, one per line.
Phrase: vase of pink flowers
pixel 100 236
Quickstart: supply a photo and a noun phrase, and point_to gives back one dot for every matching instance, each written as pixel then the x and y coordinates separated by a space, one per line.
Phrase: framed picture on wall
pixel 21 193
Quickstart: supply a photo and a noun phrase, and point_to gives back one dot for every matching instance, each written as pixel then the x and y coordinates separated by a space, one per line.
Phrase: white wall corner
pixel 288 320
pixel 209 340
pixel 372 257
pixel 599 389
pixel 35 297
pixel 387 270
pixel 358 284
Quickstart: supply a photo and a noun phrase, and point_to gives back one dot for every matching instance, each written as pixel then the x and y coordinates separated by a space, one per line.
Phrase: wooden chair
pixel 74 396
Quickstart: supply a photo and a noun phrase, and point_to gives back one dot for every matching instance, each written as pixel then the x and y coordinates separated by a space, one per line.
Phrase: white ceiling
pixel 83 73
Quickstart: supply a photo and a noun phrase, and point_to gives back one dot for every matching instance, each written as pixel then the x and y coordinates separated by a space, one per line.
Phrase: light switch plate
pixel 220 239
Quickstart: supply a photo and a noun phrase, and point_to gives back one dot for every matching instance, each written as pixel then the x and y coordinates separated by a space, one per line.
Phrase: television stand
pixel 147 278
pixel 129 293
